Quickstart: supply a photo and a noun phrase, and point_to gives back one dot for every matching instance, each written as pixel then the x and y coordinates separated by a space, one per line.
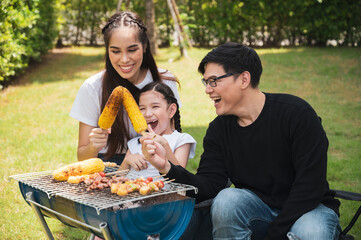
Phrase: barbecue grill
pixel 161 215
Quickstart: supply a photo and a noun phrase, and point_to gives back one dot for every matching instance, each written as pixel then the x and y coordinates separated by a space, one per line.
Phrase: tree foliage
pixel 28 28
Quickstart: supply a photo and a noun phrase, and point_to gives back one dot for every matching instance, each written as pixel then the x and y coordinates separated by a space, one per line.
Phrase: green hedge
pixel 27 29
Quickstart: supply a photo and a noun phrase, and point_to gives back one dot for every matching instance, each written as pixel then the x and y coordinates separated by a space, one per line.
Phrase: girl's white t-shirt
pixel 87 104
pixel 175 140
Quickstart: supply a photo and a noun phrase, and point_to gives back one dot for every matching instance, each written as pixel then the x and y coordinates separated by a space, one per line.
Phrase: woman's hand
pixel 91 141
pixel 98 138
pixel 137 161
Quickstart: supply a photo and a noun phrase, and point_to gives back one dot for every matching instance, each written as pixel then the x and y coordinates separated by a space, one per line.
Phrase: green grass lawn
pixel 37 134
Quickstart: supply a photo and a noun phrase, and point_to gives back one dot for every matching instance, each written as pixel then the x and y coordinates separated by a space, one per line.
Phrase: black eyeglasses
pixel 212 80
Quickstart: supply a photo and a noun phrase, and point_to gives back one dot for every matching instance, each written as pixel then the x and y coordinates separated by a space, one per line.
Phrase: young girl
pixel 128 63
pixel 160 109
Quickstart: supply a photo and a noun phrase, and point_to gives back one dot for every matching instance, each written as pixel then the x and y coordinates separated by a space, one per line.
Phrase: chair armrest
pixel 347 195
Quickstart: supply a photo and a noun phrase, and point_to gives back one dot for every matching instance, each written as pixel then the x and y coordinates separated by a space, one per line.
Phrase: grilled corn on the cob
pixel 89 166
pixel 135 115
pixel 110 111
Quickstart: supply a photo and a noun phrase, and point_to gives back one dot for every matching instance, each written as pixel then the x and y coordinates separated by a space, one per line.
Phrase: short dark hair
pixel 235 57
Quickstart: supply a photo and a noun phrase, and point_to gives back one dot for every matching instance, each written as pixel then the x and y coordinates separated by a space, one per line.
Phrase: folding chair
pixel 354 197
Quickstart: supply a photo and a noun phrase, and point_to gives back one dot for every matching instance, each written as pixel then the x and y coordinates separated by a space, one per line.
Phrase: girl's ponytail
pixel 176 119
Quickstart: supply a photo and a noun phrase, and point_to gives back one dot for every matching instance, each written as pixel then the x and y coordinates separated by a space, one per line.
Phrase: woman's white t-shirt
pixel 87 104
pixel 175 140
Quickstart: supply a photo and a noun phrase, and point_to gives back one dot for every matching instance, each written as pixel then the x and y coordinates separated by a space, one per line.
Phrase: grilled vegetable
pixel 110 111
pixel 135 115
pixel 144 190
pixel 159 183
pixel 74 179
pixel 89 166
pixel 114 187
pixel 123 190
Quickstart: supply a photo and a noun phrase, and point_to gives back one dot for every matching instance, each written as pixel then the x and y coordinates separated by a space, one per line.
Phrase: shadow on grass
pixel 60 65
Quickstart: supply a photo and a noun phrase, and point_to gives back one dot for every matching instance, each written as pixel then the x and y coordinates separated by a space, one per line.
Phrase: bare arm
pixel 125 165
pixel 180 155
pixel 91 141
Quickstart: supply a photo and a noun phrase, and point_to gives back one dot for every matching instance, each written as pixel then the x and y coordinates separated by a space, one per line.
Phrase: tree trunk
pixel 119 5
pixel 183 51
pixel 184 34
pixel 78 24
pixel 150 21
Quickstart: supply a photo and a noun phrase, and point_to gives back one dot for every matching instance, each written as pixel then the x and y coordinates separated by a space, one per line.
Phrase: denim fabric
pixel 117 158
pixel 241 214
pixel 322 223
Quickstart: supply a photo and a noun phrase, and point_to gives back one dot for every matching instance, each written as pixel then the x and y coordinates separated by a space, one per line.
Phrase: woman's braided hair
pixel 168 95
pixel 111 79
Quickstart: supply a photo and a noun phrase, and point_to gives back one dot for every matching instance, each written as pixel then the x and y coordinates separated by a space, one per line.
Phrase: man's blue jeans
pixel 240 214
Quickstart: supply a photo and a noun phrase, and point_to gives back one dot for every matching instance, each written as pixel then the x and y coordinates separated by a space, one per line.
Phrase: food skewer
pixel 172 180
pixel 141 185
pixel 111 164
pixel 119 172
pixel 159 176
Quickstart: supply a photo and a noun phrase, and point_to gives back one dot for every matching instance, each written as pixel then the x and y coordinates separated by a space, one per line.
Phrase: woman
pixel 128 63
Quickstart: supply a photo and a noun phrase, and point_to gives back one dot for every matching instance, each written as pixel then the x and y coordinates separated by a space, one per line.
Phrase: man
pixel 271 146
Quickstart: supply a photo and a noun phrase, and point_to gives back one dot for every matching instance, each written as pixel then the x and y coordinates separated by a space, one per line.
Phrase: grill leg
pixel 105 231
pixel 39 216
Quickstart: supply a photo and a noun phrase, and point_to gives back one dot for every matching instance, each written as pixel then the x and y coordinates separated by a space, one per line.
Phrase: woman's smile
pixel 126 54
pixel 127 68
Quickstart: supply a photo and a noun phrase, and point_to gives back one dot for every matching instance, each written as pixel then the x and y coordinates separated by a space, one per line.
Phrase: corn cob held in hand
pixel 110 111
pixel 89 166
pixel 135 115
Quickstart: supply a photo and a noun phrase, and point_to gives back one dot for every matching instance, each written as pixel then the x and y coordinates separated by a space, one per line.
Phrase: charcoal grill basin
pixel 168 220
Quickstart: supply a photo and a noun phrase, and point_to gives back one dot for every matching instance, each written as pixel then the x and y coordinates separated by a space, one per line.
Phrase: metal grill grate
pixel 98 199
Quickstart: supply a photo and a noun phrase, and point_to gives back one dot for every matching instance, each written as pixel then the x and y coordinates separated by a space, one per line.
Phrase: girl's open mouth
pixel 153 124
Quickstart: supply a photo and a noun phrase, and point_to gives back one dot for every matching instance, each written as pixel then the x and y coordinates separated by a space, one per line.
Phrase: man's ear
pixel 245 78
pixel 172 110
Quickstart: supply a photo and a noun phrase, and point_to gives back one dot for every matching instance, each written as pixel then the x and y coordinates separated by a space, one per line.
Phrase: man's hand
pixel 155 153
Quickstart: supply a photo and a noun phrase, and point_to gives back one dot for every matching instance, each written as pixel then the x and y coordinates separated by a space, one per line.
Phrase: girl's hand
pixel 137 161
pixel 98 138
